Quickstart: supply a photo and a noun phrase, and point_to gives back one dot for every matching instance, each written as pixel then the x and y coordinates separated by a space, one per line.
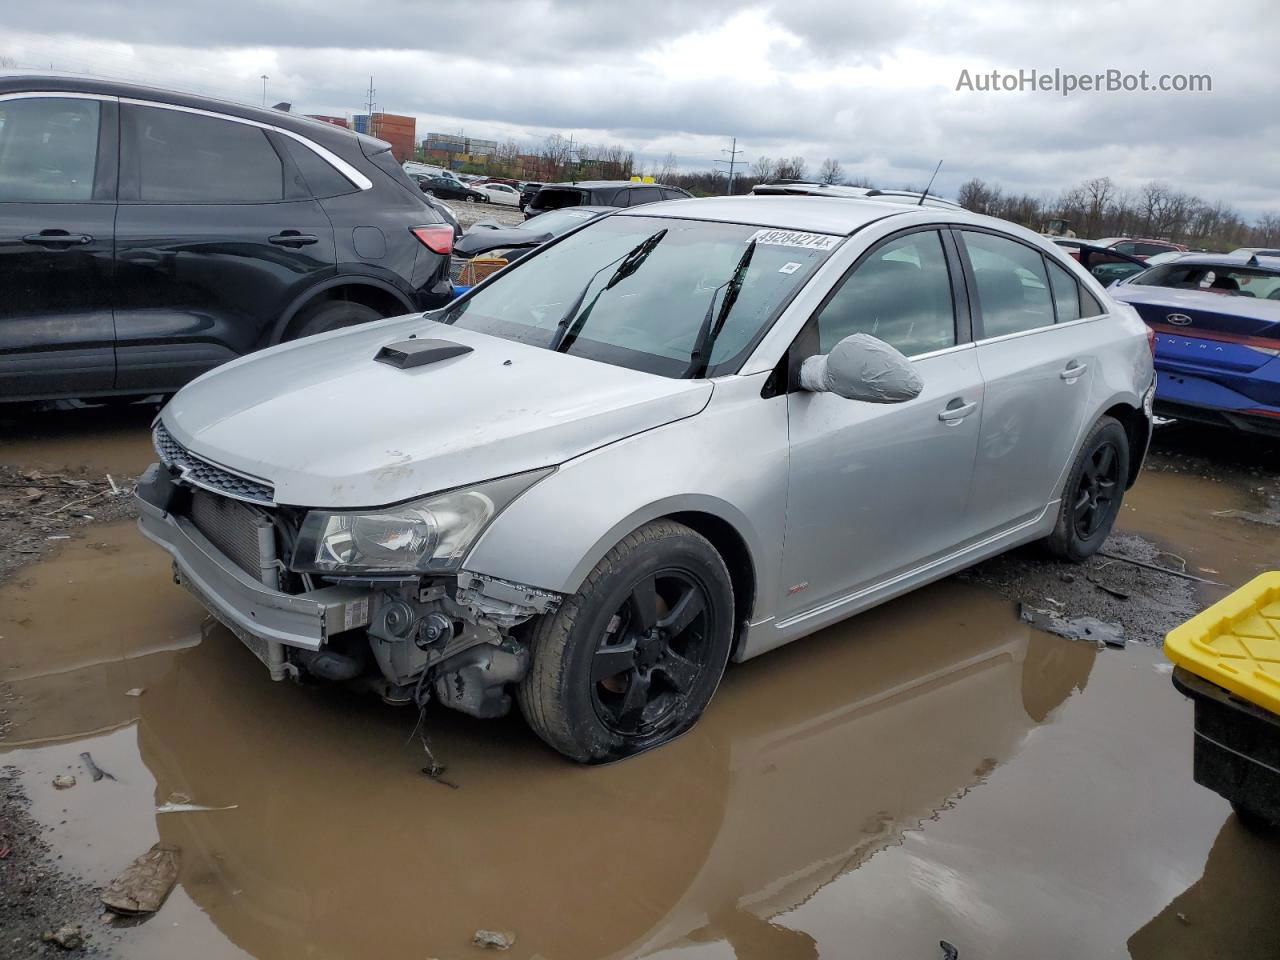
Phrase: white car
pixel 499 193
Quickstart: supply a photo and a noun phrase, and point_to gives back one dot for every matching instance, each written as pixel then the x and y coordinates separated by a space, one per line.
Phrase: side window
pixel 186 158
pixel 901 294
pixel 1013 290
pixel 1128 247
pixel 642 195
pixel 48 149
pixel 1089 305
pixel 320 179
pixel 1066 293
pixel 672 194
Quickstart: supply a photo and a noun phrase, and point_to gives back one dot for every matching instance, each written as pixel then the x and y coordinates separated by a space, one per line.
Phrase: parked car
pixel 806 188
pixel 147 236
pixel 912 391
pixel 513 242
pixel 1106 264
pixel 600 193
pixel 502 193
pixel 1216 320
pixel 1140 247
pixel 527 190
pixel 1254 252
pixel 449 189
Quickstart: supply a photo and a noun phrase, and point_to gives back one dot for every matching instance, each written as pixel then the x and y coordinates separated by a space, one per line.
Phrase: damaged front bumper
pixel 247 607
pixel 404 637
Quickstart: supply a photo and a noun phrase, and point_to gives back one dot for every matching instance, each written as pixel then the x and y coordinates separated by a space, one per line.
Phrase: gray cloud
pixel 825 79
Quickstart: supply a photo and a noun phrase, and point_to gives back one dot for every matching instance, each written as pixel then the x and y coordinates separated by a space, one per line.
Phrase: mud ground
pixel 932 770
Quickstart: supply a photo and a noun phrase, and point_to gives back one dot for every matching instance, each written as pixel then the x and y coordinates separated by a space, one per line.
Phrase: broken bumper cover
pixel 235 598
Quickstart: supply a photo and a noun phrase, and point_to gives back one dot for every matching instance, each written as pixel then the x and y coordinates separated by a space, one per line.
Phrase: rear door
pixel 1034 328
pixel 217 234
pixel 57 220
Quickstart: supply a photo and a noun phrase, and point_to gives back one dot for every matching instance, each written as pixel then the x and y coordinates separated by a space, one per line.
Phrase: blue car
pixel 1216 320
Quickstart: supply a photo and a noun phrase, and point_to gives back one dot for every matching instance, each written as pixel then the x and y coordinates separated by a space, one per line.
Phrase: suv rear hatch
pixel 553 198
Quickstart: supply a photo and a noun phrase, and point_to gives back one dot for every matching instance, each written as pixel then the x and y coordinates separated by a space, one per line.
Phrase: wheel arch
pixel 373 292
pixel 1137 428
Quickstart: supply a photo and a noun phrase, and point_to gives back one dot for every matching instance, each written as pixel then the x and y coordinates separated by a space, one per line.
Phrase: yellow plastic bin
pixel 1227 659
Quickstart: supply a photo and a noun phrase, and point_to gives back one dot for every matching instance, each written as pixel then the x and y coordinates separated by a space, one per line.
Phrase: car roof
pixel 832 215
pixel 317 130
pixel 601 184
pixel 1227 260
pixel 812 189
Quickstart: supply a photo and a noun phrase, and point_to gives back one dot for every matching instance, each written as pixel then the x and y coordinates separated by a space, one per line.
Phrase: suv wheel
pixel 632 659
pixel 1092 495
pixel 331 315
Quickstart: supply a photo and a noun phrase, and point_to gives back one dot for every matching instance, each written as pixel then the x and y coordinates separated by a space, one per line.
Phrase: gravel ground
pixel 469 213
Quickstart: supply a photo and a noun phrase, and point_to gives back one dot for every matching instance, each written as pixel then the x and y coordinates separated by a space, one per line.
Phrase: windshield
pixel 557 221
pixel 649 318
pixel 1213 278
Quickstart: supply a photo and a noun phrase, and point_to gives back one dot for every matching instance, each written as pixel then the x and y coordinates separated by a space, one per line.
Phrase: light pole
pixel 265 78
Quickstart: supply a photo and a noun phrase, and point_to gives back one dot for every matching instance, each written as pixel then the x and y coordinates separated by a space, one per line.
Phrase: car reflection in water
pixel 810 761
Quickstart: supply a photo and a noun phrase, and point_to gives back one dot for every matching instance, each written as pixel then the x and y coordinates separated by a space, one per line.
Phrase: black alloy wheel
pixel 1096 493
pixel 652 652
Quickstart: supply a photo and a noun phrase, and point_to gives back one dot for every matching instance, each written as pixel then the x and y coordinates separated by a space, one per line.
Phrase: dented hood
pixel 330 427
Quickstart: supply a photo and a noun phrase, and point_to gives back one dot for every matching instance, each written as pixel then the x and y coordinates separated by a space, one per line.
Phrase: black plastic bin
pixel 1237 749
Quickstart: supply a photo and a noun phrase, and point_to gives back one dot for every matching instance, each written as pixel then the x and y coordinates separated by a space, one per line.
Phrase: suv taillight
pixel 438 238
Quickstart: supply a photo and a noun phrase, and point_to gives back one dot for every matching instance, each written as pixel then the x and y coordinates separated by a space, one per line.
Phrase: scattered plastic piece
pixel 1077 628
pixel 95 771
pixel 493 939
pixel 948 951
pixel 135 692
pixel 64 781
pixel 192 808
pixel 143 885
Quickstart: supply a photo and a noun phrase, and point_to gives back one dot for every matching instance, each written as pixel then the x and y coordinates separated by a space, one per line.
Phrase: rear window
pixel 553 198
pixel 1213 278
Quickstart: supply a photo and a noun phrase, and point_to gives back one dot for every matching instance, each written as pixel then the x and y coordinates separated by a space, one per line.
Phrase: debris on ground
pixel 95 771
pixel 141 888
pixel 1089 629
pixel 1269 517
pixel 64 781
pixel 135 692
pixel 948 951
pixel 192 808
pixel 493 939
pixel 68 938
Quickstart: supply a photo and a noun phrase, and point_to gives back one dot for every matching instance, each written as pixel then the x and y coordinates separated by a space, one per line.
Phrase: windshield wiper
pixel 700 357
pixel 568 328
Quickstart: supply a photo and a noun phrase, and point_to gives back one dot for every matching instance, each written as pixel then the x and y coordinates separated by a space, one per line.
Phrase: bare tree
pixel 764 169
pixel 555 156
pixel 791 168
pixel 666 171
pixel 1097 195
pixel 7 63
pixel 979 196
pixel 831 171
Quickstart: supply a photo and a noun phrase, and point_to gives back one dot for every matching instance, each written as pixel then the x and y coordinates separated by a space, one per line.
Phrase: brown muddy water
pixel 932 770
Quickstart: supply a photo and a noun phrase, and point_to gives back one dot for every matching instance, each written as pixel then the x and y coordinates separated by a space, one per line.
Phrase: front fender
pixel 729 461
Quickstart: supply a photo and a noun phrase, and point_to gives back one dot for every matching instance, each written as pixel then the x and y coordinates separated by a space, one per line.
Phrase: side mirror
pixel 861 367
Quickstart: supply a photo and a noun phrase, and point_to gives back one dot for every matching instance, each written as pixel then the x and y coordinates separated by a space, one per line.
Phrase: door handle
pixel 1074 370
pixel 57 238
pixel 292 238
pixel 956 410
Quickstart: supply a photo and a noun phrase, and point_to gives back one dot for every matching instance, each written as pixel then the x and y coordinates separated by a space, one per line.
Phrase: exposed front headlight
pixel 431 534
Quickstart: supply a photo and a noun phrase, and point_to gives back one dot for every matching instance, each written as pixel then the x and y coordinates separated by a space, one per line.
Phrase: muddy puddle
pixel 114 439
pixel 932 770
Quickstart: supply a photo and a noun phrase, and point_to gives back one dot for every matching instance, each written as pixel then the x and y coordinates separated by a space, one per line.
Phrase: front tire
pixel 632 659
pixel 1093 493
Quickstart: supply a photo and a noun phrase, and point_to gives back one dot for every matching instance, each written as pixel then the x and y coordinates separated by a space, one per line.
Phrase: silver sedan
pixel 680 435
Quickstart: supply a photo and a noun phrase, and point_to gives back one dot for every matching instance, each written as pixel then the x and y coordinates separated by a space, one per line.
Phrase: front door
pixel 877 490
pixel 57 221
pixel 215 237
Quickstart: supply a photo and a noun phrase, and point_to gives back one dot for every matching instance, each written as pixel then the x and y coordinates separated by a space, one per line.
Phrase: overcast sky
pixel 872 84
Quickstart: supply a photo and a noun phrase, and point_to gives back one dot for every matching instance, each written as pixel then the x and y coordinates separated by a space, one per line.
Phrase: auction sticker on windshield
pixel 792 238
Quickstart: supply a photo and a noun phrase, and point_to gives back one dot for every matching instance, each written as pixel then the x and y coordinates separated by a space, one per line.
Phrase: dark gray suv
pixel 600 193
pixel 147 236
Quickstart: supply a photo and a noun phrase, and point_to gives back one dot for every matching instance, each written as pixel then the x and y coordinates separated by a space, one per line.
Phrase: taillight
pixel 438 238
pixel 1151 341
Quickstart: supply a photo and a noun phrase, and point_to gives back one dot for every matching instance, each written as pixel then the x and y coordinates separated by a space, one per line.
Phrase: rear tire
pixel 1093 492
pixel 631 660
pixel 1253 821
pixel 330 315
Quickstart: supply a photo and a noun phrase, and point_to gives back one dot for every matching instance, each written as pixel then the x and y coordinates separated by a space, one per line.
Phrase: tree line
pixel 1099 208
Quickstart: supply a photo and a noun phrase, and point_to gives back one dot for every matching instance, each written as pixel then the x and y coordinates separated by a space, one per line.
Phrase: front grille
pixel 202 473
pixel 245 534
